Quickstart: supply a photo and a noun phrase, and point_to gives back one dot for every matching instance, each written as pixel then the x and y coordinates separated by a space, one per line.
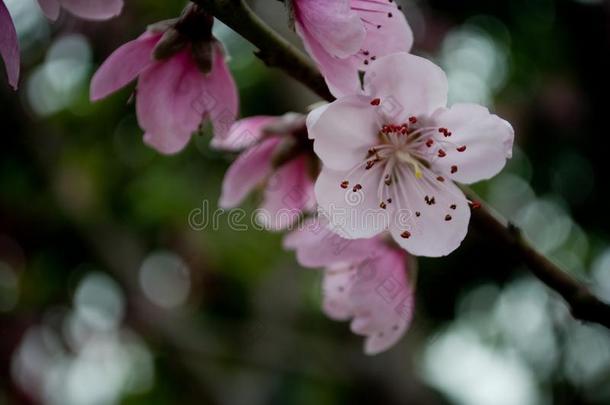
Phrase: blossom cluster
pixel 373 175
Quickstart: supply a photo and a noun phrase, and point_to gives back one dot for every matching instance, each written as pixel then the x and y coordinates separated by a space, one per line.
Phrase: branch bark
pixel 275 51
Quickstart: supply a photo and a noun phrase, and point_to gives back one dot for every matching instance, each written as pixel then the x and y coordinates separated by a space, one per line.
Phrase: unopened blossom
pixel 391 157
pixel 9 46
pixel 348 36
pixel 182 77
pixel 275 153
pixel 87 9
pixel 365 281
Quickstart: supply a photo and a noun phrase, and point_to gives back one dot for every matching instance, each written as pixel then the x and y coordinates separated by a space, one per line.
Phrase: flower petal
pixel 94 9
pixel 382 300
pixel 167 97
pixel 318 245
pixel 407 85
pixel 123 66
pixel 288 194
pixel 376 293
pixel 243 133
pixel 332 24
pixel 344 131
pixel 336 284
pixel 50 8
pixel 220 100
pixel 9 46
pixel 248 170
pixel 352 213
pixel 384 35
pixel 341 75
pixel 486 141
pixel 433 215
pixel 387 30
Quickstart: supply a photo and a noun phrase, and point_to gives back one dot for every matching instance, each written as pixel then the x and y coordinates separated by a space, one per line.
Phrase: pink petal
pixel 9 46
pixel 94 9
pixel 383 301
pixel 376 293
pixel 243 134
pixel 434 214
pixel 341 75
pixel 288 194
pixel 50 8
pixel 353 214
pixel 344 131
pixel 387 30
pixel 167 102
pixel 407 86
pixel 123 66
pixel 384 35
pixel 486 141
pixel 318 245
pixel 248 170
pixel 220 99
pixel 332 24
pixel 337 304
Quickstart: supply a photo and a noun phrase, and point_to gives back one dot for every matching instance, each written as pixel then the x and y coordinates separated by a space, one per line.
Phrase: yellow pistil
pixel 406 157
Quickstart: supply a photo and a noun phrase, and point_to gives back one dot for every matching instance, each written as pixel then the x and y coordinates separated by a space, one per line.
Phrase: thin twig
pixel 277 52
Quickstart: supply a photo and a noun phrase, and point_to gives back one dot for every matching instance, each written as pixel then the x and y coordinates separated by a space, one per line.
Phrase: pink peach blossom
pixel 288 184
pixel 347 36
pixel 391 156
pixel 87 9
pixel 9 46
pixel 173 95
pixel 365 281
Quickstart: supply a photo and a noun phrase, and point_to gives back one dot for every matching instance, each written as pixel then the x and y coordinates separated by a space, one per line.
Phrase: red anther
pixel 441 153
pixel 345 184
pixel 369 164
pixel 454 169
pixel 413 120
pixel 376 101
pixel 383 205
pixel 440 178
pixel 357 187
pixel 448 217
pixel 429 143
pixel 453 206
pixel 461 148
pixel 405 235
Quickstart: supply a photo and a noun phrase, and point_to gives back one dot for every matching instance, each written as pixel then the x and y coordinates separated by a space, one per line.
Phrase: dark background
pixel 108 295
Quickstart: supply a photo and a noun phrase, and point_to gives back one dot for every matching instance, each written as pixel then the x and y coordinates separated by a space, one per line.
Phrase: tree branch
pixel 277 52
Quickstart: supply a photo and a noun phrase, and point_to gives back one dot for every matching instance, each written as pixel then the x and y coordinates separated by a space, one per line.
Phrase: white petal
pixel 344 131
pixel 433 215
pixel 353 214
pixel 407 85
pixel 487 138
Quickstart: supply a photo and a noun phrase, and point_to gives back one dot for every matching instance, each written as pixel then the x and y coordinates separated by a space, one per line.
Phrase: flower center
pixel 402 149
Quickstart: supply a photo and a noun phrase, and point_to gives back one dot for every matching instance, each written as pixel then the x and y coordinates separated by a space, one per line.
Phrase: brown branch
pixel 277 52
